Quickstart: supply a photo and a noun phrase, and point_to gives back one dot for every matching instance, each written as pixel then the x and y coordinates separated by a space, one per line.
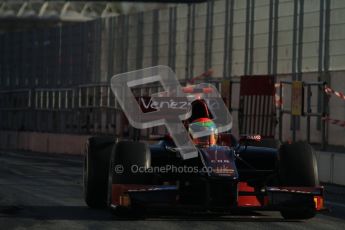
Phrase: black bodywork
pixel 207 187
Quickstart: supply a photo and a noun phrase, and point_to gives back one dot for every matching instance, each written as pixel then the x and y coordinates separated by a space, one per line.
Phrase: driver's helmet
pixel 207 129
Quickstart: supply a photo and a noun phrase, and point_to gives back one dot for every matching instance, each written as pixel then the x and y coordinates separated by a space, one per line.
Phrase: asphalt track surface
pixel 40 191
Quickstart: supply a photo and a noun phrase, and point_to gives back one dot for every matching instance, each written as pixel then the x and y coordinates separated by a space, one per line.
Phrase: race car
pixel 228 174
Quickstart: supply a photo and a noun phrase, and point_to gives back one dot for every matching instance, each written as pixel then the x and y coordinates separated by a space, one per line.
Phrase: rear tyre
pixel 298 168
pixel 96 167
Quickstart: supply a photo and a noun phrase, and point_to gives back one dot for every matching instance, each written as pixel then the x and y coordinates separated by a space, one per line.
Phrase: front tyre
pixel 129 154
pixel 96 168
pixel 298 168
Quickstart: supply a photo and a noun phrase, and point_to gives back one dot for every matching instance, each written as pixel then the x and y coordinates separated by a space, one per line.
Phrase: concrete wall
pixel 43 142
pixel 331 167
pixel 310 34
pixel 295 42
pixel 337 109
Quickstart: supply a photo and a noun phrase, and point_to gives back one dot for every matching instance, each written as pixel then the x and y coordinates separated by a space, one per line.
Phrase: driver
pixel 209 129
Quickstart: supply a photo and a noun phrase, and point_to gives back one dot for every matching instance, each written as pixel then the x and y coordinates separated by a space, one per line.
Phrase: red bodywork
pixel 245 198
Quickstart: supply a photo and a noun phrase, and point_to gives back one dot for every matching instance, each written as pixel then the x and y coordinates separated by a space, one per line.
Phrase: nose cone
pixel 220 161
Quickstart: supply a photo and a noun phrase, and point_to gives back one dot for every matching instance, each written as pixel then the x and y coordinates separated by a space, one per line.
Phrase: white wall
pixel 337 35
pixel 331 167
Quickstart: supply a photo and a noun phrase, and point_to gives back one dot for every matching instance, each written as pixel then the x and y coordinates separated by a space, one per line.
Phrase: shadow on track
pixel 84 213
